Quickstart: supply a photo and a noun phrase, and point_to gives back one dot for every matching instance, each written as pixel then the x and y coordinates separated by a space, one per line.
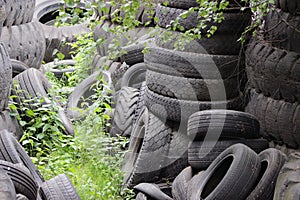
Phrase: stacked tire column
pixel 23 37
pixel 273 68
pixel 178 83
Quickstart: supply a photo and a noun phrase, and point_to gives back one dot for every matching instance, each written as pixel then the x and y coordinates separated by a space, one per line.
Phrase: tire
pixel 18 12
pixel 271 162
pixel 226 124
pixel 9 122
pixel 134 76
pixel 83 92
pixel 268 72
pixel 232 175
pixel 288 179
pixel 140 103
pixel 117 75
pixel 124 112
pixel 25 43
pixel 134 54
pixel 7 188
pixel 202 154
pixel 152 191
pixel 191 88
pixel 58 37
pixel 191 65
pixel 13 152
pixel 218 44
pixel 180 184
pixel 141 196
pixel 291 6
pixel 59 188
pixel 281 30
pixel 22 180
pixel 18 67
pixel 5 77
pixel 51 67
pixel 21 197
pixel 233 19
pixel 279 120
pixel 183 4
pixel 179 110
pixel 100 63
pixel 150 145
pixel 33 84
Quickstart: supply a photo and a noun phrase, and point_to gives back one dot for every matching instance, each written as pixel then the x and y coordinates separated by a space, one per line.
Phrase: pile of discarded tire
pixel 22 49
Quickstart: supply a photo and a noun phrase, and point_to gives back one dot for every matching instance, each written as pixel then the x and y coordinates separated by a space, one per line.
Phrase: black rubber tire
pixel 140 103
pixel 202 154
pixel 82 92
pixel 59 188
pixel 5 77
pixel 180 184
pixel 33 84
pixel 116 76
pixel 291 6
pixel 18 12
pixel 233 19
pixel 134 76
pixel 271 162
pixel 191 184
pixel 51 67
pixel 218 44
pixel 134 54
pixel 191 65
pixel 25 43
pixel 279 120
pixel 184 4
pixel 18 67
pixel 192 88
pixel 12 151
pixel 179 110
pixel 124 112
pixel 273 71
pixel 100 63
pixel 152 191
pixel 232 175
pixel 9 122
pixel 226 124
pixel 22 180
pixel 7 188
pixel 281 29
pixel 288 179
pixel 21 197
pixel 151 156
pixel 57 37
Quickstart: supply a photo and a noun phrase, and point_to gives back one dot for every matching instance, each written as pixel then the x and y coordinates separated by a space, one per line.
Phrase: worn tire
pixel 273 71
pixel 192 88
pixel 18 67
pixel 202 154
pixel 150 157
pixel 152 191
pixel 179 110
pixel 291 6
pixel 7 188
pixel 9 122
pixel 18 12
pixel 281 29
pixel 232 175
pixel 22 180
pixel 271 162
pixel 233 19
pixel 25 43
pixel 59 188
pixel 227 124
pixel 180 184
pixel 82 92
pixel 5 77
pixel 51 67
pixel 279 120
pixel 12 151
pixel 134 76
pixel 33 84
pixel 124 112
pixel 191 65
pixel 288 179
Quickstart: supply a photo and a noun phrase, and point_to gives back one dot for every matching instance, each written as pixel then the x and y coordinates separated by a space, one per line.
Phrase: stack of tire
pixel 23 37
pixel 202 76
pixel 273 68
